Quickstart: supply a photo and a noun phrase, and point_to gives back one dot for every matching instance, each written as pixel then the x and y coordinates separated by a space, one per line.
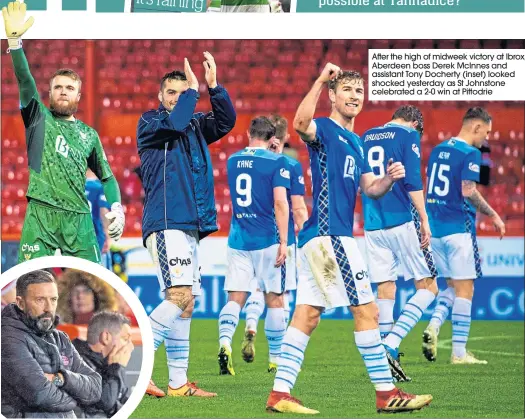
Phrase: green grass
pixel 334 380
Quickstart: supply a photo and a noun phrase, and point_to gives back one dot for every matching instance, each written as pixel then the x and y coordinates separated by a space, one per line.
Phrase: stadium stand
pixel 121 79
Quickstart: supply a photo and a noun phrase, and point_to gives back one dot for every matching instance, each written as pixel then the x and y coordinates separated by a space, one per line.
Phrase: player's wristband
pixel 14 43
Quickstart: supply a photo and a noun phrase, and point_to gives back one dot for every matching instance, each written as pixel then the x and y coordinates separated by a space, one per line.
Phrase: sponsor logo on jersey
pixel 61 146
pixel 245 215
pixel 285 173
pixel 343 140
pixel 83 135
pixel 474 167
pixel 301 180
pixel 415 149
pixel 32 248
pixel 349 169
pixel 178 261
pixel 361 275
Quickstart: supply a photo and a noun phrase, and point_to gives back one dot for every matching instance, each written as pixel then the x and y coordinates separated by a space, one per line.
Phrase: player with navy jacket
pixel 452 201
pixel 332 272
pixel 258 239
pixel 179 205
pixel 397 232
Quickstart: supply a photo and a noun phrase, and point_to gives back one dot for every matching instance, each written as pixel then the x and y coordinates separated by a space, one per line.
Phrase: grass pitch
pixel 334 380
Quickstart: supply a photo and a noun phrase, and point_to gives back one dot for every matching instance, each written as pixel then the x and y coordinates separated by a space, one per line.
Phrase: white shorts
pixel 291 268
pixel 250 270
pixel 457 256
pixel 397 247
pixel 332 274
pixel 175 254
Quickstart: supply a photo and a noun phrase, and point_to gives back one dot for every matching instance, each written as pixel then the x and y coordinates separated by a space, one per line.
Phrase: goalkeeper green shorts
pixel 47 229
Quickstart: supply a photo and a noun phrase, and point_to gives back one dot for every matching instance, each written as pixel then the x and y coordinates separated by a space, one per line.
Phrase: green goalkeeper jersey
pixel 59 153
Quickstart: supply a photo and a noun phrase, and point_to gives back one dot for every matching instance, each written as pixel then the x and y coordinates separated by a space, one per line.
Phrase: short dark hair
pixel 35 277
pixel 477 113
pixel 173 75
pixel 345 75
pixel 262 128
pixel 281 126
pixel 410 113
pixel 68 73
pixel 110 320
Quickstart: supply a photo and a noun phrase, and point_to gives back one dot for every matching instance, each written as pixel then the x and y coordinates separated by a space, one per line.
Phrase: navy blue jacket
pixel 175 163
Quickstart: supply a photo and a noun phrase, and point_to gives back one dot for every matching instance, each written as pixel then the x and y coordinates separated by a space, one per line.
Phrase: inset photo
pixel 72 342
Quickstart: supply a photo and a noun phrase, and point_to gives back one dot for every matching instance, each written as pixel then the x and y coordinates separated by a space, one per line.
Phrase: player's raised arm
pixel 303 122
pixel 15 26
pixel 375 187
pixel 221 120
pixel 470 191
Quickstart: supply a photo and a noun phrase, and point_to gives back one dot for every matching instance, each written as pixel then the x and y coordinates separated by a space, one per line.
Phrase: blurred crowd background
pixel 121 81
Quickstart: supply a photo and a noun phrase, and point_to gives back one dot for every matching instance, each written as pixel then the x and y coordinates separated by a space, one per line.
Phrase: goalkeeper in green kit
pixel 60 149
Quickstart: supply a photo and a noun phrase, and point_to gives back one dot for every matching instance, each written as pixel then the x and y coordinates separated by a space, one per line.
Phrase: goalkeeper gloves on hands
pixel 117 219
pixel 275 6
pixel 15 23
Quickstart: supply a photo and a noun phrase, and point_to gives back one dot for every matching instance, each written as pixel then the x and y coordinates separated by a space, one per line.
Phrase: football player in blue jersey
pixel 258 239
pixel 298 214
pixel 452 201
pixel 332 271
pixel 397 231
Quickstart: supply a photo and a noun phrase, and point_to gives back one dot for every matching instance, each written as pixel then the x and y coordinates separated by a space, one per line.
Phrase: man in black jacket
pixel 107 350
pixel 42 373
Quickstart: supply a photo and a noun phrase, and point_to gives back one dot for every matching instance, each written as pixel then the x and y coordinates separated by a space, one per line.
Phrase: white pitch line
pixel 447 344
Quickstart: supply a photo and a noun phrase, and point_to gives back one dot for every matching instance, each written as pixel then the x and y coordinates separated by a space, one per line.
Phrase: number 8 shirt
pixel 392 223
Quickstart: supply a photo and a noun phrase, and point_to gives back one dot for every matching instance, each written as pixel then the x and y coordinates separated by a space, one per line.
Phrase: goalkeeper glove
pixel 15 23
pixel 275 6
pixel 117 219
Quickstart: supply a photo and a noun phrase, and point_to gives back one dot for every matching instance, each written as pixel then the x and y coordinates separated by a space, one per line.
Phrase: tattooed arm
pixel 470 192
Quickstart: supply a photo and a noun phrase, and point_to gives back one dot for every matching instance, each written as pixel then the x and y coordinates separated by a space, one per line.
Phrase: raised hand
pixel 190 76
pixel 211 70
pixel 329 72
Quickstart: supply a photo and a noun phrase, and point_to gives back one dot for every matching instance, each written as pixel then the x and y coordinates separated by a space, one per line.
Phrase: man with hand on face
pixel 107 351
pixel 60 149
pixel 42 373
pixel 179 205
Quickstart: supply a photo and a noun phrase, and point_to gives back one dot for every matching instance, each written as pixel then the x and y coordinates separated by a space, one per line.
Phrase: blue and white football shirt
pixel 253 173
